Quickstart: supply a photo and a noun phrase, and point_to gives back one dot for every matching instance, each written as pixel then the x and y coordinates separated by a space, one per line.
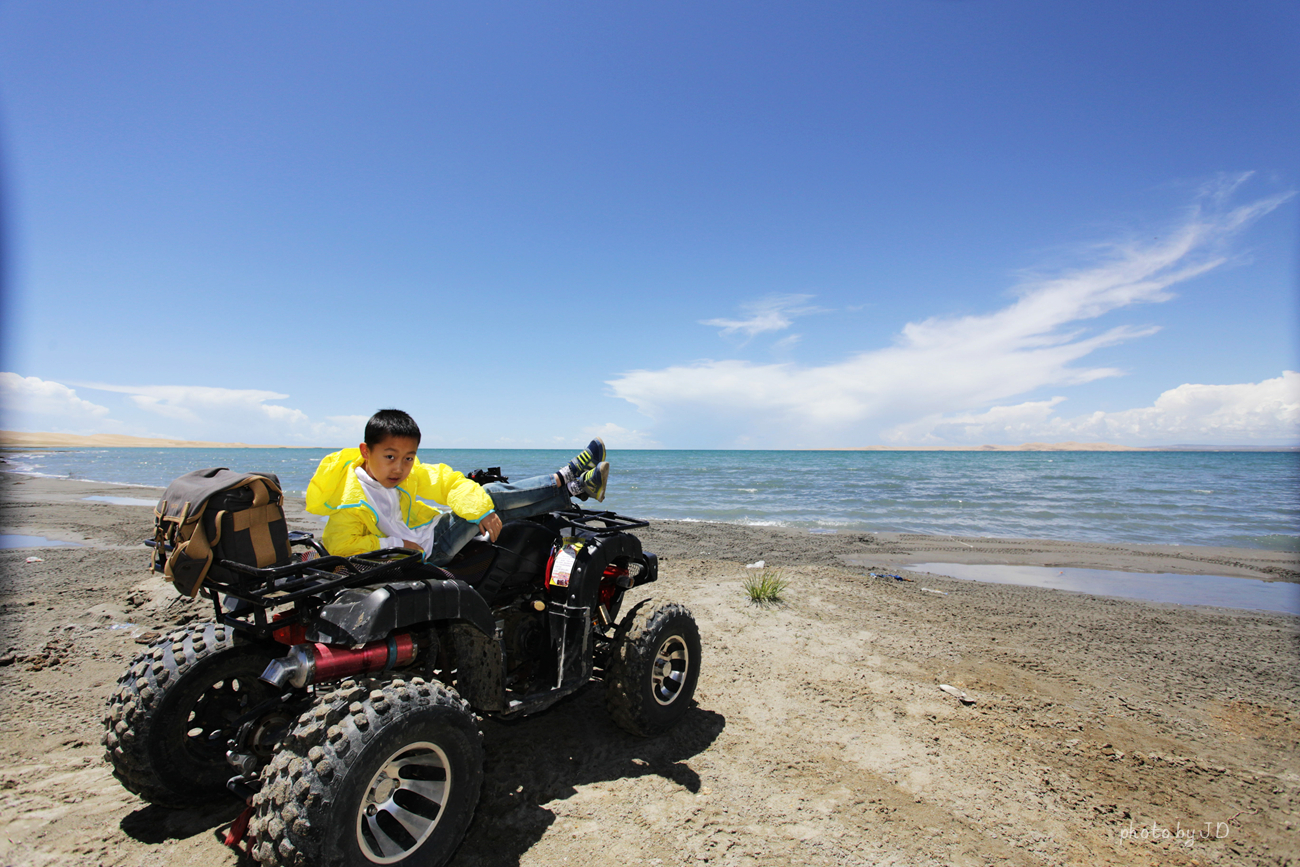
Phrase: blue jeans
pixel 524 499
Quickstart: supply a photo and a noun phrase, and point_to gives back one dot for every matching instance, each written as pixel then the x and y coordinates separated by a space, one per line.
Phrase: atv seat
pixel 502 568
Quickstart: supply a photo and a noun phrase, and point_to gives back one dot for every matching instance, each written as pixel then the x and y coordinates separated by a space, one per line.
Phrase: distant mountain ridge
pixel 27 439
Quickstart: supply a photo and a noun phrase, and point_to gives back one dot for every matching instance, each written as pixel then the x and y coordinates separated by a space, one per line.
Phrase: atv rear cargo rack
pixel 259 589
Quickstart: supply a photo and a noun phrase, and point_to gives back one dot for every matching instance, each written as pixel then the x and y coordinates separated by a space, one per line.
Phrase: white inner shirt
pixel 388 508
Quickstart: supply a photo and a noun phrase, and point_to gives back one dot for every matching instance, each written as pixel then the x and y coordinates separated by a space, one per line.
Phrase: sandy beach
pixel 1100 730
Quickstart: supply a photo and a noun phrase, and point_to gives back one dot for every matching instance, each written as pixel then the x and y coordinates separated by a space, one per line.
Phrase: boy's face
pixel 389 462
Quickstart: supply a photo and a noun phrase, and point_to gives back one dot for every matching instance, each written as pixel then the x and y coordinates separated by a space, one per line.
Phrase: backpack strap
pixel 257 520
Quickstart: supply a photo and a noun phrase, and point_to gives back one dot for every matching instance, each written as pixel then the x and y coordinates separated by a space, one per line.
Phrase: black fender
pixel 596 554
pixel 570 613
pixel 364 614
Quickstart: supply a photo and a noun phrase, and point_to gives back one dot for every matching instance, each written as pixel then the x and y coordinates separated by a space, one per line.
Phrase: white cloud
pixel 942 365
pixel 40 404
pixel 186 412
pixel 772 313
pixel 617 437
pixel 1248 413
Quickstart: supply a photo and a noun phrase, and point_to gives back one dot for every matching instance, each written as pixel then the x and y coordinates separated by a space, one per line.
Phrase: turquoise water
pixel 1247 499
pixel 18 540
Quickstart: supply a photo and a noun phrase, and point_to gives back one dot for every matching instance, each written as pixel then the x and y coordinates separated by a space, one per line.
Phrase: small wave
pixel 65 477
pixel 1200 491
pixel 748 490
pixel 1273 542
pixel 13 465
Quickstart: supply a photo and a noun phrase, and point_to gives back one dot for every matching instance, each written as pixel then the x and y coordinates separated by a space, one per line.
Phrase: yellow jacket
pixel 353 526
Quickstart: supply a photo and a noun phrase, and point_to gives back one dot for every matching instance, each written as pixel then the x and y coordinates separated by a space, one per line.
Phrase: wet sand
pixel 1100 728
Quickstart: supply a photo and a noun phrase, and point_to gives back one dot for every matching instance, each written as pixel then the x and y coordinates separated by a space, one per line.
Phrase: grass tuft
pixel 765 587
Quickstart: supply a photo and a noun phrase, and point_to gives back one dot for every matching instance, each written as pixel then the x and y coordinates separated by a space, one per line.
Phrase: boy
pixel 373 494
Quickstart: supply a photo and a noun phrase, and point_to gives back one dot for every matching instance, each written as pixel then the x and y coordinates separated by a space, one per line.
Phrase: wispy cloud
pixel 945 365
pixel 192 403
pixel 618 437
pixel 772 313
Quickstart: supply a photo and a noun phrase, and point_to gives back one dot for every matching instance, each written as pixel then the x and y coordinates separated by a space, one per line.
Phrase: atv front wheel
pixel 375 773
pixel 653 670
pixel 166 727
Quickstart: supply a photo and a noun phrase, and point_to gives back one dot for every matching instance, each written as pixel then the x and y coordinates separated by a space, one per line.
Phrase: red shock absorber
pixel 609 582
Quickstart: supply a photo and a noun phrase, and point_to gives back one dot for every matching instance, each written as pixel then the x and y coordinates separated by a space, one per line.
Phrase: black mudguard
pixel 597 553
pixel 570 613
pixel 364 614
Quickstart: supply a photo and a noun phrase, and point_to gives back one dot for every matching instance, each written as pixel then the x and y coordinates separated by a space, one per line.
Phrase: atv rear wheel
pixel 166 727
pixel 375 773
pixel 653 669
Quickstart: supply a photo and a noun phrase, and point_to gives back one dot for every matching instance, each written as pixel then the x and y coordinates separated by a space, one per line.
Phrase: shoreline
pixel 820 734
pixel 850 548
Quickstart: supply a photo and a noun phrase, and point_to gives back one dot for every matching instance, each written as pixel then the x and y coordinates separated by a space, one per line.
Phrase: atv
pixel 339 697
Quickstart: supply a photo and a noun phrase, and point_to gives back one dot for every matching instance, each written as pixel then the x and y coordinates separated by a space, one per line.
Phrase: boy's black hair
pixel 390 423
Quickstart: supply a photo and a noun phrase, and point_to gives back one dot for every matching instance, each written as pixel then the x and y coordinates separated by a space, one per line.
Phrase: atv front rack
pixel 599 523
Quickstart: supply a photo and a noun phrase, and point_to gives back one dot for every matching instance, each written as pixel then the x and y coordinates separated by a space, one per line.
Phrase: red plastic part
pixel 333 662
pixel 609 583
pixel 291 634
pixel 238 828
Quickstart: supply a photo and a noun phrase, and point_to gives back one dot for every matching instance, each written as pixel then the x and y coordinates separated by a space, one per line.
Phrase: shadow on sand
pixel 156 825
pixel 528 763
pixel 534 761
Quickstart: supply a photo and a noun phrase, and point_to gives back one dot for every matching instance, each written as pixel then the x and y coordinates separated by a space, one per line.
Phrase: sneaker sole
pixel 603 469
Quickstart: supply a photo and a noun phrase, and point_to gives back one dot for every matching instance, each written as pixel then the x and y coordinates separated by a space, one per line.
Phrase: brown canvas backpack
pixel 211 515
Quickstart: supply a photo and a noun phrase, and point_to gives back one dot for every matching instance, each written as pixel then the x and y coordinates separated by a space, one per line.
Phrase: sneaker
pixel 592 483
pixel 587 459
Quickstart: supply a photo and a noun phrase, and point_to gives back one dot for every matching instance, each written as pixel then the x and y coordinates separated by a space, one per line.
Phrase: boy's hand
pixel 407 543
pixel 491 525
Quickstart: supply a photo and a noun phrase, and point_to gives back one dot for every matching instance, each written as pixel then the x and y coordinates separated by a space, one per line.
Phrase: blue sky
pixel 681 225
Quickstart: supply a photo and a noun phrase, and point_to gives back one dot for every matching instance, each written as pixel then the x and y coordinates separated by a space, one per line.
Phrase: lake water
pixel 19 540
pixel 1246 499
pixel 1217 590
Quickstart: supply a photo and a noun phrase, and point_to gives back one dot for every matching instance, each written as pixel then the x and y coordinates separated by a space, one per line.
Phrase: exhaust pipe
pixel 317 663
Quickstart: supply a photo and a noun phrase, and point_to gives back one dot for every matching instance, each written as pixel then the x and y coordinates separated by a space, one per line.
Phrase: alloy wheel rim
pixel 668 671
pixel 403 802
